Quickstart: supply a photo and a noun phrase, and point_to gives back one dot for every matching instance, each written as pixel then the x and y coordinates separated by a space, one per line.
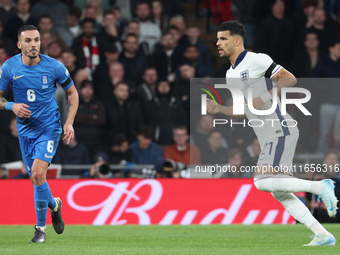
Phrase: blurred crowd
pixel 132 61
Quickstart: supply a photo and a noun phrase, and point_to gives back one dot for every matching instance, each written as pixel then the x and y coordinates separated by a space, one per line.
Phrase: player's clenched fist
pixel 212 108
pixel 21 110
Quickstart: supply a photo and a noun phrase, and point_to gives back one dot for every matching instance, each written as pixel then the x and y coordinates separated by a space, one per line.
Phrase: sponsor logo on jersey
pixel 44 79
pixel 244 75
pixel 17 77
pixel 45 86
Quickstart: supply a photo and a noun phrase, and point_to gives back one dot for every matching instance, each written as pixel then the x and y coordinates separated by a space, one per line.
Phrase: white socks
pixel 299 211
pixel 282 188
pixel 288 184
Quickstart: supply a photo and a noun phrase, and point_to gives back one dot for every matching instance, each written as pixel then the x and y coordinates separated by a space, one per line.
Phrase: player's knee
pixel 37 175
pixel 263 183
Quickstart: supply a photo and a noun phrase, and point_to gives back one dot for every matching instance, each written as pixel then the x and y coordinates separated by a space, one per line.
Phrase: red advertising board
pixel 146 201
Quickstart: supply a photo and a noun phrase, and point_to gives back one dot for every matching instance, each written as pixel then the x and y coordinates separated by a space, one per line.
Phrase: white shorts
pixel 279 153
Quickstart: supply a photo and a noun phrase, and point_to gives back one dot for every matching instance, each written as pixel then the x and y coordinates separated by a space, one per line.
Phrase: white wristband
pixel 266 97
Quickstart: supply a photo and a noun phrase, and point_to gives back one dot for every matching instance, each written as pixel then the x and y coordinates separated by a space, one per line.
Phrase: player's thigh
pixel 277 155
pixel 46 145
pixel 26 148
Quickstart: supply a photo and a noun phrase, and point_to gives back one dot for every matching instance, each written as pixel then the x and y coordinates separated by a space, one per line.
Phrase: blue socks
pixel 43 198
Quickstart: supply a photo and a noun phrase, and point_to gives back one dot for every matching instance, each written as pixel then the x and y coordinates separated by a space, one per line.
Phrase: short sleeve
pixel 266 66
pixel 62 76
pixel 5 77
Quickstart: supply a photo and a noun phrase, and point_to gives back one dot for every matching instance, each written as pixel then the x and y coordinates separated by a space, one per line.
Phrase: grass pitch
pixel 194 239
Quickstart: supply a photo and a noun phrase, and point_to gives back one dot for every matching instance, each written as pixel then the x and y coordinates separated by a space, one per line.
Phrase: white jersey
pixel 249 72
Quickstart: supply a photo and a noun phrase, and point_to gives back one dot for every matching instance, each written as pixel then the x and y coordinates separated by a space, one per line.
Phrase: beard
pixel 27 53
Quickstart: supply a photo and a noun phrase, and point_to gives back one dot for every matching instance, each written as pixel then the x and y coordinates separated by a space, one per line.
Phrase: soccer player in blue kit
pixel 33 78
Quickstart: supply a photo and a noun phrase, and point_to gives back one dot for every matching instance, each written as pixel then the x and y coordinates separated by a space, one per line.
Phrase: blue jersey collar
pixel 240 58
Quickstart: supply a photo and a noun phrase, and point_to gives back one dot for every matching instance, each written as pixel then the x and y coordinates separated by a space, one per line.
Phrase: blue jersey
pixel 35 86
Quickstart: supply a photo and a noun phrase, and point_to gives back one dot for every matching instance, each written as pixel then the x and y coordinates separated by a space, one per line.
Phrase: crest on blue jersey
pixel 44 79
pixel 244 75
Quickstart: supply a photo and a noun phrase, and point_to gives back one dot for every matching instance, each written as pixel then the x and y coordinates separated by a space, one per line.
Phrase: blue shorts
pixel 42 147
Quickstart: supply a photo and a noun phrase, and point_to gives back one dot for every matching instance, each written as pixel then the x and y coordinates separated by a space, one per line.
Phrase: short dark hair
pixel 75 11
pixel 172 27
pixel 121 83
pixel 118 139
pixel 234 152
pixel 67 50
pixel 108 12
pixel 150 68
pixel 26 28
pixel 130 34
pixel 182 127
pixel 45 16
pixel 86 20
pixel 146 131
pixel 235 28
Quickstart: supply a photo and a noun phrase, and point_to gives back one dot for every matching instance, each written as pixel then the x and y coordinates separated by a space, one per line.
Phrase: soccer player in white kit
pixel 277 141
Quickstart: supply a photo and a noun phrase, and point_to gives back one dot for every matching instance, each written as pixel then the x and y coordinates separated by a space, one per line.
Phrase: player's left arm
pixel 283 79
pixel 73 102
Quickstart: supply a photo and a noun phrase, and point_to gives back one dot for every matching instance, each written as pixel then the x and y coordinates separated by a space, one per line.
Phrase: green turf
pixel 194 239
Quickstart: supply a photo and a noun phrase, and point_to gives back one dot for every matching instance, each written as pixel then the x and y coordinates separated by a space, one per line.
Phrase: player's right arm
pixel 19 109
pixel 214 108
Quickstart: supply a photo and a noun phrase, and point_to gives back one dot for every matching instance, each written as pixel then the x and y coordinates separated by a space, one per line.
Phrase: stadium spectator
pixel 134 63
pixel 254 150
pixel 73 153
pixel 133 28
pixel 91 13
pixel 235 161
pixel 9 144
pixel 276 32
pixel 199 136
pixel 23 17
pixel 164 113
pixel 191 54
pixel 181 151
pixel 46 38
pixel 167 58
pixel 157 15
pixel 81 75
pixel 149 31
pixel 179 22
pixel 114 76
pixel 303 16
pixel 101 75
pixel 7 11
pixel 90 119
pixel 182 86
pixel 71 29
pixel 100 159
pixel 179 38
pixel 324 31
pixel 119 150
pixel 144 151
pixel 121 22
pixel 304 63
pixel 244 13
pixel 3 55
pixel 193 33
pixel 86 46
pixel 69 60
pixel 54 50
pixel 56 9
pixel 327 66
pixel 45 23
pixel 123 116
pixel 82 4
pixel 147 91
pixel 109 32
pixel 10 46
pixel 214 153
